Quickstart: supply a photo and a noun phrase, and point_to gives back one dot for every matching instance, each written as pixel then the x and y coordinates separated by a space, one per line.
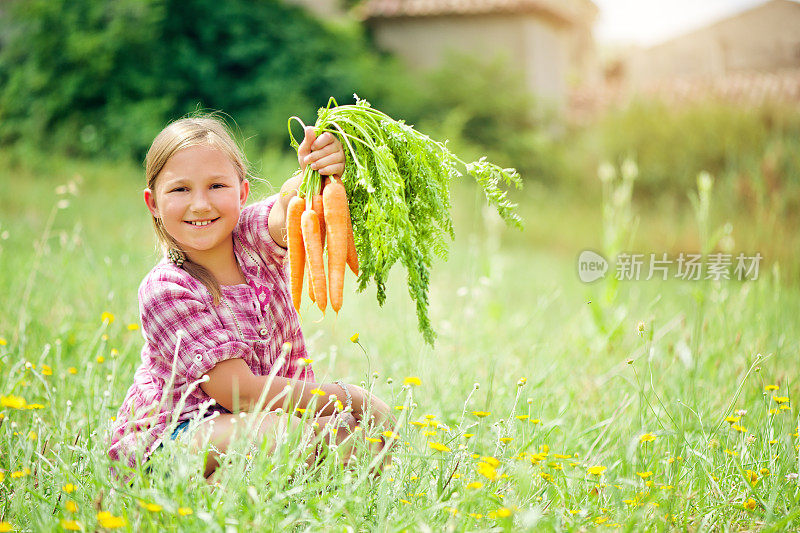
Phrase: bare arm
pixel 232 380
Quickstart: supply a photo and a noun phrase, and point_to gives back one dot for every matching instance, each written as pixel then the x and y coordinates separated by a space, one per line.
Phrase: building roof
pixel 569 11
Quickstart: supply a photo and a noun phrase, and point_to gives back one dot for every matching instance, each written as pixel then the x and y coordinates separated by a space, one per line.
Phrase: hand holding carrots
pixel 323 153
pixel 319 212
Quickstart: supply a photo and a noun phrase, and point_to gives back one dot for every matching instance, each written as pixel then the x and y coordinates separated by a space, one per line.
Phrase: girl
pixel 216 313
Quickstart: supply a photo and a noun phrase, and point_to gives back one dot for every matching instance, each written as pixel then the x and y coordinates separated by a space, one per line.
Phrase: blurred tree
pixel 103 77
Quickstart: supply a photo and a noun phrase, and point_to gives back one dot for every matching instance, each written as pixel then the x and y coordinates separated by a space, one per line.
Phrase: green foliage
pixel 103 77
pixel 750 150
pixel 397 181
pixel 485 106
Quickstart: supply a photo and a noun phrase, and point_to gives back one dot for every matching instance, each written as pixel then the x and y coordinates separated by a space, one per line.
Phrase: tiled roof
pixel 566 10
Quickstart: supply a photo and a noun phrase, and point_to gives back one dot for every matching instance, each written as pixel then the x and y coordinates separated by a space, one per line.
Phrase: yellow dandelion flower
pixel 632 503
pixel 764 471
pixel 107 318
pixel 475 485
pixel 71 525
pixel 34 406
pixel 596 470
pixel 556 466
pixel 503 512
pixel 372 439
pixel 2 476
pixel 3 341
pixel 354 337
pixel 405 501
pixel 647 437
pixel 784 408
pixel 300 410
pixel 561 456
pixel 546 476
pixel 506 440
pixel 109 521
pixel 751 476
pixel 481 414
pixel 133 327
pixel 307 360
pixel 100 359
pixel 523 417
pixel 780 399
pixel 469 435
pixel 72 370
pixel 738 428
pixel 429 433
pixel 750 504
pixel 574 511
pixel 152 507
pixel 770 388
pixel 487 471
pixel 438 446
pixel 390 435
pixel 399 407
pixel 600 519
pixel 644 475
pixel 732 419
pixel 6 526
pixel 412 380
pixel 476 516
pixel 14 402
pixel 493 461
pixel 184 511
pixel 535 421
pixel 731 452
pixel 71 506
pixel 318 392
pixel 46 370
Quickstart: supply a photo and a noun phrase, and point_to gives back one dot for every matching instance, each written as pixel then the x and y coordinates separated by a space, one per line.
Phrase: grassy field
pixel 546 404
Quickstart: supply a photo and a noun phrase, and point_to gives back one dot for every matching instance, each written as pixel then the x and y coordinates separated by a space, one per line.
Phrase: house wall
pixel 537 46
pixel 766 38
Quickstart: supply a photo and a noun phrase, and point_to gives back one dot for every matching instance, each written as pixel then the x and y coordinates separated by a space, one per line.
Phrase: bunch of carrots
pixel 313 220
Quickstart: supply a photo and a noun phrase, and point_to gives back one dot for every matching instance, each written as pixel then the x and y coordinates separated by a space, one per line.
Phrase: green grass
pixel 506 306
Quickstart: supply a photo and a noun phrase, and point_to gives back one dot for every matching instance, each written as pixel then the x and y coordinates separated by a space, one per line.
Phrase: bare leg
pixel 221 430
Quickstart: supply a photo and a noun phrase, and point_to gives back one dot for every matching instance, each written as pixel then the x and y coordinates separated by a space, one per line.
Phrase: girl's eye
pixel 178 189
pixel 218 186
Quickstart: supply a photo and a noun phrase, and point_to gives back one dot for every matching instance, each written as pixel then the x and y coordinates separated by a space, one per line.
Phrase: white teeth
pixel 204 223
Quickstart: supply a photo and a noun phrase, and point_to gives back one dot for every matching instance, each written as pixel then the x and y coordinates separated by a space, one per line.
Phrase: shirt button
pixel 263 332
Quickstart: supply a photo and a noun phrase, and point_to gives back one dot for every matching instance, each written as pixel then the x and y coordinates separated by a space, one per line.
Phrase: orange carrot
pixel 311 237
pixel 352 256
pixel 334 199
pixel 319 208
pixel 297 252
pixel 310 285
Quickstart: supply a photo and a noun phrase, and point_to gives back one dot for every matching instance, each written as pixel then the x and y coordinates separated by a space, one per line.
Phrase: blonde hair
pixel 199 129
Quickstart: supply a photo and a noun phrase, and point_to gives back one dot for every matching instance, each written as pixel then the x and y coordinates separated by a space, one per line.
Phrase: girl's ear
pixel 150 201
pixel 244 191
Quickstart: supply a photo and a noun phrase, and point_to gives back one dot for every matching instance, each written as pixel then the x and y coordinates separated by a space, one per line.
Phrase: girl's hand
pixel 323 153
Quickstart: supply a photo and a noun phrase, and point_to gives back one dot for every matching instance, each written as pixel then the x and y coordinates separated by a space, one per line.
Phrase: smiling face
pixel 198 197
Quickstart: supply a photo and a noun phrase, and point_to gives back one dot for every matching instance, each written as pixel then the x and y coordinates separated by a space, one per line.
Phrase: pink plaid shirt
pixel 186 336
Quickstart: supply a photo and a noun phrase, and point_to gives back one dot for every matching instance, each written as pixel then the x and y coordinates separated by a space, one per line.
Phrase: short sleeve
pixel 179 325
pixel 254 230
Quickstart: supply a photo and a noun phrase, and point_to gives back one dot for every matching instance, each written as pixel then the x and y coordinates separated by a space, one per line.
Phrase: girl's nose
pixel 200 202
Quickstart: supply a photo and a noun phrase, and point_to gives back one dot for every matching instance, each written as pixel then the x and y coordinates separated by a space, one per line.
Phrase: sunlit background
pixel 638 127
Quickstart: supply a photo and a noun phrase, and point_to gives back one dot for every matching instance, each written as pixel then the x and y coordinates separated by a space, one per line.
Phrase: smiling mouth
pixel 201 223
